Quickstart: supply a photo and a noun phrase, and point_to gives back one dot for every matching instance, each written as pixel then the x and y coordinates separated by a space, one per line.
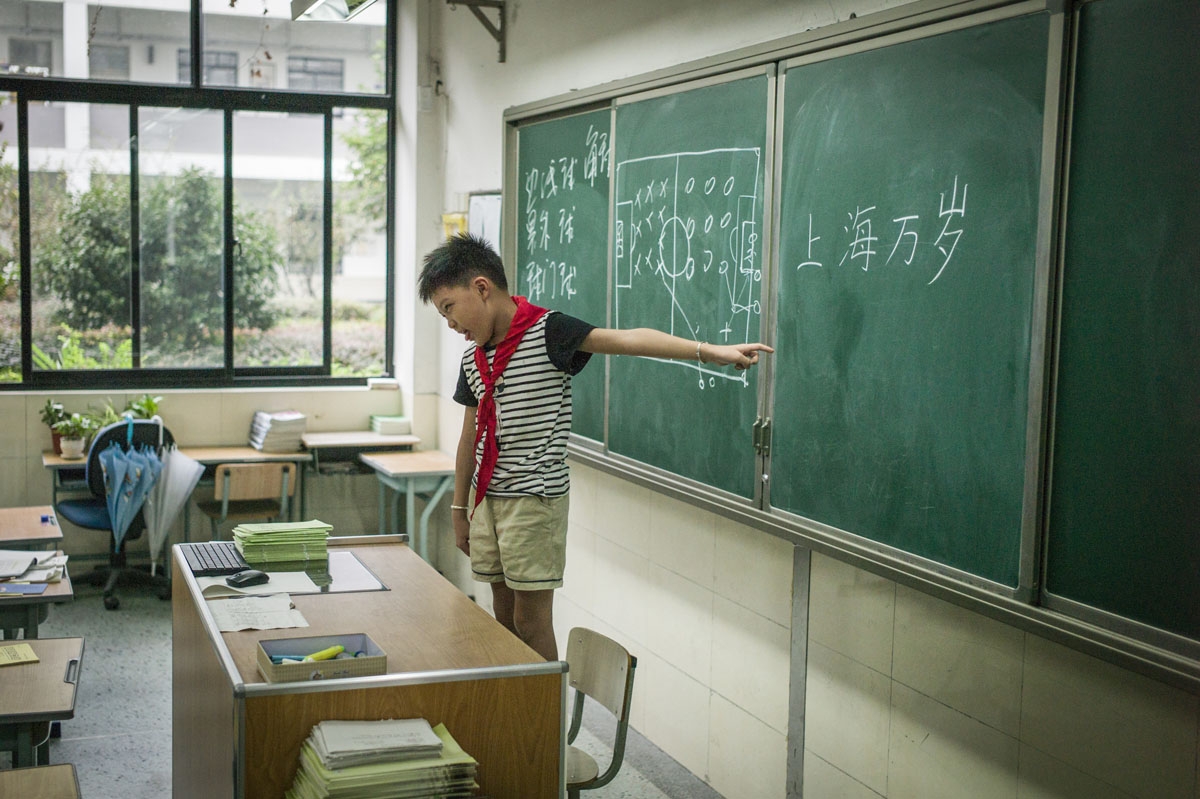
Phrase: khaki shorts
pixel 520 541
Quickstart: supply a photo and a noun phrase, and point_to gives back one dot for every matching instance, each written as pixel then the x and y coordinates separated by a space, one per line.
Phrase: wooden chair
pixel 602 669
pixel 246 492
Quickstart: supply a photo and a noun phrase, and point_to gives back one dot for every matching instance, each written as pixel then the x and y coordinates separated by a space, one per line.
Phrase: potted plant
pixel 144 407
pixel 75 430
pixel 53 413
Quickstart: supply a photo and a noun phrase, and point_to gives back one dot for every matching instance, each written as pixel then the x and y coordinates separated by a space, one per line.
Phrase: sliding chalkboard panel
pixel 688 209
pixel 906 276
pixel 562 236
pixel 1124 526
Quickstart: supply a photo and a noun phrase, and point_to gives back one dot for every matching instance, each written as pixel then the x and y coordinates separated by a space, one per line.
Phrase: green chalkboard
pixel 1124 522
pixel 909 205
pixel 562 236
pixel 688 182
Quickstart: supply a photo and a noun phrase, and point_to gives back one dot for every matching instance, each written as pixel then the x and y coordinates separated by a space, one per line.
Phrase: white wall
pixel 907 696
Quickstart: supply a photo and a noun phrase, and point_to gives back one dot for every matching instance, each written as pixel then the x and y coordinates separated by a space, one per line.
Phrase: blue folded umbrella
pixel 128 478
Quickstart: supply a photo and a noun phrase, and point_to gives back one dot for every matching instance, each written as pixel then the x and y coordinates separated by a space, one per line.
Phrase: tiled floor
pixel 120 738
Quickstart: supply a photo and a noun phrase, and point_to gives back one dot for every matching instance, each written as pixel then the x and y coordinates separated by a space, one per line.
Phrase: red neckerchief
pixel 485 417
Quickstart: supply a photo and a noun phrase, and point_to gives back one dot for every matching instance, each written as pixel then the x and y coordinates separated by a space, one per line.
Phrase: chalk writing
pixel 595 164
pixel 858 242
pixel 949 214
pixel 552 281
pixel 685 248
pixel 549 267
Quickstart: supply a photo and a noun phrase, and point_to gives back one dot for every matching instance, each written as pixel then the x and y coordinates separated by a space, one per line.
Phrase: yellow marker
pixel 327 654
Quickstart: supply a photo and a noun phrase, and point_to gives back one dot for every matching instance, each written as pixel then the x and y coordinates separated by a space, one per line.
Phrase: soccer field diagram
pixel 686 248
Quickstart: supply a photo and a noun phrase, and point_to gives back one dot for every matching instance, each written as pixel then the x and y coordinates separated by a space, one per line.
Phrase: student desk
pixel 29 528
pixel 429 472
pixel 69 474
pixel 36 694
pixel 40 782
pixel 448 661
pixel 27 611
pixel 345 447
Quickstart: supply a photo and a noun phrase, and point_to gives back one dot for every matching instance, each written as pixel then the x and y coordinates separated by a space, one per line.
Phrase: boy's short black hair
pixel 457 262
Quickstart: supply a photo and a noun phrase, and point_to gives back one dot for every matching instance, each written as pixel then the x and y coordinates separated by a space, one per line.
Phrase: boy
pixel 511 480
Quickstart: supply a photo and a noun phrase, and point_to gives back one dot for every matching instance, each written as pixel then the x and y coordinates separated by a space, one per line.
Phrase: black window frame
pixel 196 95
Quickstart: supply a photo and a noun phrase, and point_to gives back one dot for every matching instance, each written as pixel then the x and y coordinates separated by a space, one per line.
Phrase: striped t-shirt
pixel 533 407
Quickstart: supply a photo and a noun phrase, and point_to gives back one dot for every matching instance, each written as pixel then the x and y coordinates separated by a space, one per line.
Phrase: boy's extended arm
pixel 657 344
pixel 464 470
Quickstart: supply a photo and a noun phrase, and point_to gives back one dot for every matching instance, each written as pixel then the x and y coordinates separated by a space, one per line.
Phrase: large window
pixel 108 62
pixel 31 56
pixel 220 67
pixel 190 232
pixel 315 74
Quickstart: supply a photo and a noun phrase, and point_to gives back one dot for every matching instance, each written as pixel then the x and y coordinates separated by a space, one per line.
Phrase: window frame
pixel 229 100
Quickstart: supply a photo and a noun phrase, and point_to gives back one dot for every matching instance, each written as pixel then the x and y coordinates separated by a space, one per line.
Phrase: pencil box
pixel 363 657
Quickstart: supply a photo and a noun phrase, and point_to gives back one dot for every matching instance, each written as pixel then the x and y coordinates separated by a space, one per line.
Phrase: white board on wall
pixel 483 217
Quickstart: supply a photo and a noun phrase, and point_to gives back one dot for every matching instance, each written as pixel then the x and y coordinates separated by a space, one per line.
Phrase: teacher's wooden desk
pixel 447 661
pixel 429 473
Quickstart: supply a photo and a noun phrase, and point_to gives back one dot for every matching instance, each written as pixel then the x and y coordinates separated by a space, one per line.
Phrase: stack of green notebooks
pixel 284 546
pixel 448 773
pixel 391 425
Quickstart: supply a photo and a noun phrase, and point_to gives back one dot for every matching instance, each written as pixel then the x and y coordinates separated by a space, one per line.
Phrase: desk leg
pixel 443 486
pixel 24 755
pixel 382 507
pixel 303 487
pixel 410 524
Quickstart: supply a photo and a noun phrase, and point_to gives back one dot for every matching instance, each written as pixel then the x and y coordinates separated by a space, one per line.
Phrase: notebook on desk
pixel 213 558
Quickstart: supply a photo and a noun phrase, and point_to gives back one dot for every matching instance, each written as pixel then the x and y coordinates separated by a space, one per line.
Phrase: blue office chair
pixel 92 512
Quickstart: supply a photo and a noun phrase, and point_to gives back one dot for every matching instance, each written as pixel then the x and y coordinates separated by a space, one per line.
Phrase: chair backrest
pixel 601 669
pixel 242 481
pixel 143 431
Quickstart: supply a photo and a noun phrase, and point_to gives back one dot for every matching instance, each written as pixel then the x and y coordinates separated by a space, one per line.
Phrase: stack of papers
pixel 279 431
pixel 391 425
pixel 449 773
pixel 341 744
pixel 284 546
pixel 33 567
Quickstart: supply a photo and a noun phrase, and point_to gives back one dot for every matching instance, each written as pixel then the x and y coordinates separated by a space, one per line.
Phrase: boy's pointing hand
pixel 739 356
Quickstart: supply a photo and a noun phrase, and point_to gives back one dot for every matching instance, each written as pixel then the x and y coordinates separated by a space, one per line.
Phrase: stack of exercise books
pixel 277 431
pixel 391 425
pixel 394 758
pixel 285 546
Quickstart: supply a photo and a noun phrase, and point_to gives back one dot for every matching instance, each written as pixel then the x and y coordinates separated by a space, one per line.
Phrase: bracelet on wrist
pixel 699 357
pixel 459 507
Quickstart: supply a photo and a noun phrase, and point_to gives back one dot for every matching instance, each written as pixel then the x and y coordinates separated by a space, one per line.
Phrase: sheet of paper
pixel 17 653
pixel 280 583
pixel 49 570
pixel 37 556
pixel 349 574
pixel 273 612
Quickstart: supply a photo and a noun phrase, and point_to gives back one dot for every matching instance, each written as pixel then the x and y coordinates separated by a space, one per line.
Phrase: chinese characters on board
pixel 866 231
pixel 549 233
